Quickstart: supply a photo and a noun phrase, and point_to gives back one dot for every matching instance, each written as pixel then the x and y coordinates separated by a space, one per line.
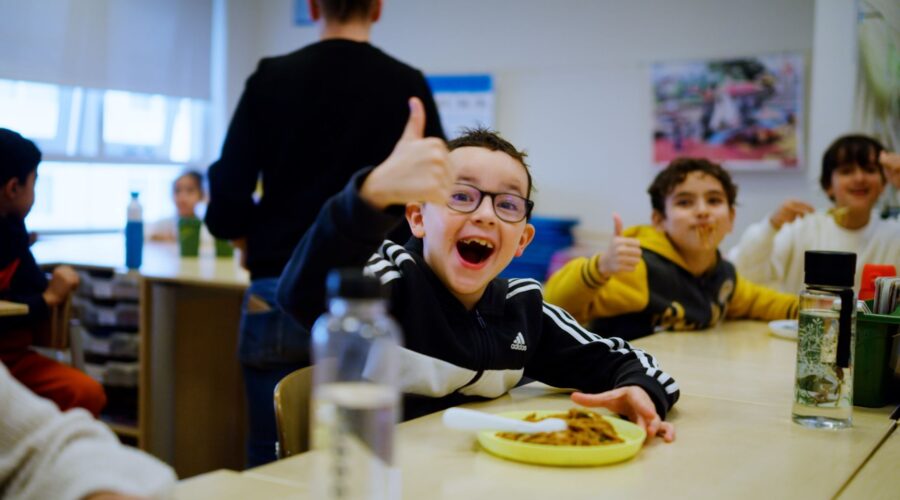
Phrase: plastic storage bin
pixel 874 381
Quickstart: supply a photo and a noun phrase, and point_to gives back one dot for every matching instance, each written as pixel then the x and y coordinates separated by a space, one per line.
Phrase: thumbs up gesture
pixel 623 254
pixel 417 170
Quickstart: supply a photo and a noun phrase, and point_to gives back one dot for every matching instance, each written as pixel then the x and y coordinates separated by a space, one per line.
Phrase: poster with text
pixel 464 101
pixel 744 113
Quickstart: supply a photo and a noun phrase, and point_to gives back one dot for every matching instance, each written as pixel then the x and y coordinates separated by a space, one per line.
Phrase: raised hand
pixel 634 403
pixel 623 253
pixel 62 282
pixel 417 170
pixel 891 164
pixel 788 211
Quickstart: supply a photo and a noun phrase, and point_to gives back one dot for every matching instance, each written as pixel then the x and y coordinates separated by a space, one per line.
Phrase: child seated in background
pixel 668 276
pixel 771 251
pixel 467 333
pixel 187 193
pixel 21 280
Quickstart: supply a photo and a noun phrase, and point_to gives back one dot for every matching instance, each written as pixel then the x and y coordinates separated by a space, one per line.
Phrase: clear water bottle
pixel 823 388
pixel 134 233
pixel 356 395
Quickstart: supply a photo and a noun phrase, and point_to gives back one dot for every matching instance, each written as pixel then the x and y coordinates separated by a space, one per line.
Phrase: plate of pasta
pixel 591 439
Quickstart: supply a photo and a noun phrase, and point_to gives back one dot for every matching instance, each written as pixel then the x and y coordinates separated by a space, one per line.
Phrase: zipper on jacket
pixel 480 348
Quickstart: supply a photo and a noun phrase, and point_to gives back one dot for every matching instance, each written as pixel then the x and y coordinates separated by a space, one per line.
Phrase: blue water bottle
pixel 134 234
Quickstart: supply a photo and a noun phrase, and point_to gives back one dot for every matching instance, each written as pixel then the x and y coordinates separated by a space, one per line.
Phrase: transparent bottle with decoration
pixel 823 387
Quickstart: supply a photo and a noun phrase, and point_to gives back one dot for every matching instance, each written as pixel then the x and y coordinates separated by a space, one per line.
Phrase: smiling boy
pixel 668 276
pixel 771 251
pixel 467 334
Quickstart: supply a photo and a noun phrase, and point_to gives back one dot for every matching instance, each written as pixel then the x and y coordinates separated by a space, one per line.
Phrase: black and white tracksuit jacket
pixel 452 354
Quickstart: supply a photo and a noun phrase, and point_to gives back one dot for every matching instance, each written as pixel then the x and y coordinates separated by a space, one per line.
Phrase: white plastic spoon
pixel 462 418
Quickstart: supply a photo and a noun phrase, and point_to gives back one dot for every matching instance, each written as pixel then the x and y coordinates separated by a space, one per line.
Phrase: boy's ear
pixel 376 12
pixel 314 13
pixel 658 218
pixel 415 219
pixel 9 189
pixel 731 215
pixel 525 239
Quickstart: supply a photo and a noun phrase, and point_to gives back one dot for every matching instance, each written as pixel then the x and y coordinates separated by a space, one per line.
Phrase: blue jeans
pixel 271 345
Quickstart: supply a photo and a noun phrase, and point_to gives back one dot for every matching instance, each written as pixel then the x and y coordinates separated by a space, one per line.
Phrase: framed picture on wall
pixel 745 113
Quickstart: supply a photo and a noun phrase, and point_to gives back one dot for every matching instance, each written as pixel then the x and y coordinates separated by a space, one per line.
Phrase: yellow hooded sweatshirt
pixel 660 294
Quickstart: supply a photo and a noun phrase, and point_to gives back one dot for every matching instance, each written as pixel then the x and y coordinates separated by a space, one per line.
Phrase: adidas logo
pixel 519 343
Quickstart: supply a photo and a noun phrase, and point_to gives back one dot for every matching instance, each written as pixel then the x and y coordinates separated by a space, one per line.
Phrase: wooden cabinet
pixel 189 398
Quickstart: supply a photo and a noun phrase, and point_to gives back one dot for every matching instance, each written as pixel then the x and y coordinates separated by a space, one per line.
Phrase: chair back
pixel 292 406
pixel 53 333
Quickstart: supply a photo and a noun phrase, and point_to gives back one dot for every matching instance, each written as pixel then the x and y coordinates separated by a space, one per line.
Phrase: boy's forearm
pixel 346 233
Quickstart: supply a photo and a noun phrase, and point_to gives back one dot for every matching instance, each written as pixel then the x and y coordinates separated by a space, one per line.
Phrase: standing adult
pixel 306 122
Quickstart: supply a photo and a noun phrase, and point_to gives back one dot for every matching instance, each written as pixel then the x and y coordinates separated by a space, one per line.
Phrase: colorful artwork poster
pixel 744 113
pixel 464 101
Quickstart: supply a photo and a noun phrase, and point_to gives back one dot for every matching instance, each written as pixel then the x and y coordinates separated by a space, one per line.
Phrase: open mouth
pixel 474 250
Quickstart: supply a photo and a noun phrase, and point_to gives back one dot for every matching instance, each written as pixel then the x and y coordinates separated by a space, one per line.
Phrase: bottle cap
pixel 829 268
pixel 869 273
pixel 351 283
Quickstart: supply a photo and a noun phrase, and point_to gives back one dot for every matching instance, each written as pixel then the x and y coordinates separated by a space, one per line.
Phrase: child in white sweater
pixel 771 251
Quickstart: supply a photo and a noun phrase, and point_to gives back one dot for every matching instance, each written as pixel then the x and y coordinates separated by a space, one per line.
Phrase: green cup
pixel 189 236
pixel 872 373
pixel 224 248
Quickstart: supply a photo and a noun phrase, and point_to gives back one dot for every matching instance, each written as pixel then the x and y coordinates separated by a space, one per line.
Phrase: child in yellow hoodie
pixel 668 276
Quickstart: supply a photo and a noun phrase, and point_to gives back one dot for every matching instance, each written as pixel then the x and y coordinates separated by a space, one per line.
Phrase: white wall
pixel 572 80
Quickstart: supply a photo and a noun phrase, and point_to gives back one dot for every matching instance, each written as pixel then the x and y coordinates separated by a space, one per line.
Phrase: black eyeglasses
pixel 509 207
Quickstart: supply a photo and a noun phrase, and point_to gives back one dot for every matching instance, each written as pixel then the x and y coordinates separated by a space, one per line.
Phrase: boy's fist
pixel 788 211
pixel 891 163
pixel 417 170
pixel 62 282
pixel 623 254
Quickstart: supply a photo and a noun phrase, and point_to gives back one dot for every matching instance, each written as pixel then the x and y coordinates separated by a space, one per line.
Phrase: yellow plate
pixel 547 454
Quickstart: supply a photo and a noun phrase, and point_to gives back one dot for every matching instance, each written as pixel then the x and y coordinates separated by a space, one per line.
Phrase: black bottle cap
pixel 829 268
pixel 351 283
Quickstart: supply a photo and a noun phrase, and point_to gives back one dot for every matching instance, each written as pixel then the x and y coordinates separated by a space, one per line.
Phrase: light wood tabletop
pixel 161 261
pixel 735 438
pixel 878 478
pixel 12 308
pixel 230 485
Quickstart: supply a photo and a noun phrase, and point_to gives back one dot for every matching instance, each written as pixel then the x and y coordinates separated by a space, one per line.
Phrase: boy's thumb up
pixel 617 225
pixel 415 125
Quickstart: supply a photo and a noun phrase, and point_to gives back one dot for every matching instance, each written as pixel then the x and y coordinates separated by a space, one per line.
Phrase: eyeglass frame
pixel 529 204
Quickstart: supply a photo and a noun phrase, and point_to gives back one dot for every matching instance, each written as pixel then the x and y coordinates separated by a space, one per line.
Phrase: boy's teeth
pixel 479 241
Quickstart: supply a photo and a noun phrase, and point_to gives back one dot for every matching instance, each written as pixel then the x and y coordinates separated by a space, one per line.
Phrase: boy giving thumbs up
pixel 668 275
pixel 468 334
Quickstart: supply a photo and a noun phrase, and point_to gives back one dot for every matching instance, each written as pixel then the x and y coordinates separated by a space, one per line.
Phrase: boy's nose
pixel 485 211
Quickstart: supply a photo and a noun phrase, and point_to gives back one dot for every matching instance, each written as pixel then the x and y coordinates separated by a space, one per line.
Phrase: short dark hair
pixel 345 10
pixel 193 174
pixel 19 157
pixel 855 148
pixel 673 175
pixel 481 137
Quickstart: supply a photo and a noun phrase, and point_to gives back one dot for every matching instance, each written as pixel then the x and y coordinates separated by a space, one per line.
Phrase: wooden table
pixel 878 478
pixel 12 308
pixel 191 403
pixel 230 485
pixel 735 438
